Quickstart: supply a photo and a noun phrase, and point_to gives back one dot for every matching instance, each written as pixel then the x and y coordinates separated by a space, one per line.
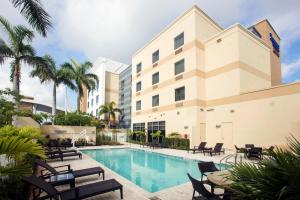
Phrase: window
pixel 92 92
pixel 138 126
pixel 180 94
pixel 96 112
pixel 88 104
pixel 138 67
pixel 179 67
pixel 122 84
pixel 92 102
pixel 155 56
pixel 155 100
pixel 97 99
pixel 97 85
pixel 179 40
pixel 138 86
pixel 155 78
pixel 92 113
pixel 138 105
pixel 122 99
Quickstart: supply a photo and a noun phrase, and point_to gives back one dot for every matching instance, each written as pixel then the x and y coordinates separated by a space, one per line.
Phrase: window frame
pixel 182 60
pixel 157 100
pixel 176 89
pixel 154 59
pixel 136 86
pixel 175 39
pixel 156 73
pixel 136 103
pixel 139 67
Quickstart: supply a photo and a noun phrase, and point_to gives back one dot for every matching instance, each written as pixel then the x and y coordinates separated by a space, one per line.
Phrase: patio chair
pixel 199 148
pixel 216 150
pixel 199 187
pixel 49 170
pixel 255 152
pixel 61 155
pixel 249 146
pixel 206 167
pixel 81 192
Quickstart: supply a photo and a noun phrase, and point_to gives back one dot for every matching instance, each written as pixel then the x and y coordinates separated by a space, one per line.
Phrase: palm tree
pixel 18 51
pixel 275 177
pixel 52 73
pixel 81 76
pixel 110 110
pixel 33 11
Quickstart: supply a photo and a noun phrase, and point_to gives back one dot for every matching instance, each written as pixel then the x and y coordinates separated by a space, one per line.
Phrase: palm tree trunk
pixel 54 102
pixel 108 120
pixel 16 82
pixel 78 103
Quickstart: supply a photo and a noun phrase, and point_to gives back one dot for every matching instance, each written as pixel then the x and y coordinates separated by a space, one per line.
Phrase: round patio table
pixel 219 178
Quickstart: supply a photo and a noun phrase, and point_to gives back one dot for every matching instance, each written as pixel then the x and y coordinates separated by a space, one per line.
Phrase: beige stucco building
pixel 214 84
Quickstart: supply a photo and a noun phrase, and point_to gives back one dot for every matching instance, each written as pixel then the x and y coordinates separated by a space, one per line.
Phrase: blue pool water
pixel 150 171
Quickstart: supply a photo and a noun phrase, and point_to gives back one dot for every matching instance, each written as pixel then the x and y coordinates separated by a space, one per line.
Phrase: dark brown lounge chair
pixel 81 192
pixel 61 155
pixel 48 170
pixel 199 148
pixel 216 150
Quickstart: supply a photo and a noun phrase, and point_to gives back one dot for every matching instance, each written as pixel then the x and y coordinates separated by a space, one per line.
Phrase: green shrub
pixel 102 139
pixel 73 119
pixel 7 111
pixel 23 132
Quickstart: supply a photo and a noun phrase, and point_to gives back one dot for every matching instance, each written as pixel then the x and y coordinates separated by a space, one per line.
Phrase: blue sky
pixel 87 29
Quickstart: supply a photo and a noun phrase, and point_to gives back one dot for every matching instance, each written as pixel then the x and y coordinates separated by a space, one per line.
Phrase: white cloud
pixel 290 69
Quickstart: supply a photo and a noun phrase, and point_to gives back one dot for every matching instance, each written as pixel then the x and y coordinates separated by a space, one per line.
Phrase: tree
pixel 18 51
pixel 275 177
pixel 34 13
pixel 110 110
pixel 52 73
pixel 81 76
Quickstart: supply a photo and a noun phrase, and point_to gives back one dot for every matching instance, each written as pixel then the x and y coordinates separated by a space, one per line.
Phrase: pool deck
pixel 132 191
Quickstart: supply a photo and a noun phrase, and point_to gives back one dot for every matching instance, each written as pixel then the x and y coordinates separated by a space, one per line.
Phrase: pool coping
pixel 146 193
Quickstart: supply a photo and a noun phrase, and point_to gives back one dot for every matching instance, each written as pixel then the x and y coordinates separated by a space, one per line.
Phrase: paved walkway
pixel 131 191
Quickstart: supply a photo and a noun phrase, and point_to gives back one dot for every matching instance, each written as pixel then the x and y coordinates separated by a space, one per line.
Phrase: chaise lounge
pixel 200 148
pixel 49 170
pixel 63 154
pixel 216 150
pixel 80 192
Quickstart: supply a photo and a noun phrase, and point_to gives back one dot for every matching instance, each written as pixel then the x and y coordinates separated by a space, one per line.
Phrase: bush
pixel 73 119
pixel 39 118
pixel 102 139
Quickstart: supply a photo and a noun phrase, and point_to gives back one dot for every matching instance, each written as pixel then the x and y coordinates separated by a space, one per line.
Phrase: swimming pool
pixel 151 171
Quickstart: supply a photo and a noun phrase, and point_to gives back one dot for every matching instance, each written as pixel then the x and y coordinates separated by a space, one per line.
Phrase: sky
pixel 116 29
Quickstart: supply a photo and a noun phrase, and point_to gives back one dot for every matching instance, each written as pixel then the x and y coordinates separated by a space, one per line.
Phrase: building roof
pixel 109 65
pixel 269 25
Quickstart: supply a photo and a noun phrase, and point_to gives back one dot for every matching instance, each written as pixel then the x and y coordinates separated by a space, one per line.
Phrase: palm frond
pixel 7 27
pixel 33 11
pixel 15 170
pixel 23 33
pixel 5 52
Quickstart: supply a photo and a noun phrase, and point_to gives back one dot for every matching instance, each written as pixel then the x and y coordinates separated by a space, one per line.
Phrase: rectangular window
pixel 92 92
pixel 179 67
pixel 138 105
pixel 138 126
pixel 97 99
pixel 155 56
pixel 122 99
pixel 97 85
pixel 88 104
pixel 122 84
pixel 179 40
pixel 155 100
pixel 155 78
pixel 92 102
pixel 138 86
pixel 180 94
pixel 138 67
pixel 96 112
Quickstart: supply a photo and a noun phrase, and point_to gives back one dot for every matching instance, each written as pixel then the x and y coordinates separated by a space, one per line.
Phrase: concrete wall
pixel 55 131
pixel 25 121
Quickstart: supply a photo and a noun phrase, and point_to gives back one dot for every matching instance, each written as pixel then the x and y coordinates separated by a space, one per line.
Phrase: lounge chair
pixel 48 170
pixel 61 155
pixel 206 167
pixel 199 148
pixel 199 187
pixel 216 150
pixel 255 152
pixel 249 146
pixel 81 192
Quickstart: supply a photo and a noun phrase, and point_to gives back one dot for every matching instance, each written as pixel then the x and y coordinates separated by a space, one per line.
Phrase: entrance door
pixel 227 134
pixel 202 132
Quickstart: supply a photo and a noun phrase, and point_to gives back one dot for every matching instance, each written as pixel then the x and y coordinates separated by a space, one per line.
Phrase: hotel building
pixel 107 89
pixel 214 84
pixel 125 98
